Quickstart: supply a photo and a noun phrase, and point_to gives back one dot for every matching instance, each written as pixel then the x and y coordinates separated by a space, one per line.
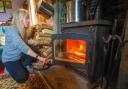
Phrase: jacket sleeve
pixel 19 43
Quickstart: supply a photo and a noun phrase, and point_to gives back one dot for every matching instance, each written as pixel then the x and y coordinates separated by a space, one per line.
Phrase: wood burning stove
pixel 80 47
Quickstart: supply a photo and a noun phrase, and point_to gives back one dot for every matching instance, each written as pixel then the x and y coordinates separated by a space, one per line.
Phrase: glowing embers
pixel 76 50
pixel 71 50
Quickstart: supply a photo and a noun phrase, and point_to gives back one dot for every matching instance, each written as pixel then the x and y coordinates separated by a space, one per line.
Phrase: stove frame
pixel 92 32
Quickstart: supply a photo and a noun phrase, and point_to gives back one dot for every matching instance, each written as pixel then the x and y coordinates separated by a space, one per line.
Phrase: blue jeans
pixel 17 69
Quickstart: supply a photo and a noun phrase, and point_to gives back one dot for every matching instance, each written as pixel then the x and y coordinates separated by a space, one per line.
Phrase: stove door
pixel 71 48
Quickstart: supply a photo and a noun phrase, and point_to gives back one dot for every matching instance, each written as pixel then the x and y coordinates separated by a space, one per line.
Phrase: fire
pixel 76 50
pixel 78 53
pixel 81 47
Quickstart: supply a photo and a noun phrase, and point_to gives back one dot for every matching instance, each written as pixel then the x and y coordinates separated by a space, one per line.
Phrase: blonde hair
pixel 18 20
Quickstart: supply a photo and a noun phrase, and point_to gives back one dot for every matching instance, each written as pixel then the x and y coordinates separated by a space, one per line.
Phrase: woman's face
pixel 26 21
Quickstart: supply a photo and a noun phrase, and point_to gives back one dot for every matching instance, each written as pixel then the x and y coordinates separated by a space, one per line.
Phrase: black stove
pixel 80 47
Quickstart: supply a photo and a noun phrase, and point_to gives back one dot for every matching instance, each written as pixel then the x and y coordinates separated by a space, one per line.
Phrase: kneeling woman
pixel 15 46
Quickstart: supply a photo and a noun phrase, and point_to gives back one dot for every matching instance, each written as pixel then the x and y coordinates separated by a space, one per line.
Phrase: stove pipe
pixel 76 10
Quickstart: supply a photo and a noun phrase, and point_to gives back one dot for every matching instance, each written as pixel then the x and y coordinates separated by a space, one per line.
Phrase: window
pixel 2 6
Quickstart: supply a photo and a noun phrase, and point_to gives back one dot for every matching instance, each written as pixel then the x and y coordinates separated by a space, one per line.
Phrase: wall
pixel 59 15
pixel 123 73
pixel 15 5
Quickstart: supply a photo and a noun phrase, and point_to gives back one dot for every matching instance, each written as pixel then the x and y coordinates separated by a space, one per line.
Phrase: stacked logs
pixel 41 37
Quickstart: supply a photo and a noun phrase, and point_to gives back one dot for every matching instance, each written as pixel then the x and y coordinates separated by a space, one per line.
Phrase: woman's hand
pixel 43 60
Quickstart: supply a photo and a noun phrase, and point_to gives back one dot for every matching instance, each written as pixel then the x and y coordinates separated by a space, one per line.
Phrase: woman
pixel 15 47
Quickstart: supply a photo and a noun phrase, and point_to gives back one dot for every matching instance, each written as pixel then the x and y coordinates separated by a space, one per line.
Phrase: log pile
pixel 41 37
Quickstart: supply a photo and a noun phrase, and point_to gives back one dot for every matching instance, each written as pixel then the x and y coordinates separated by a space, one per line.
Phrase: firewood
pixel 45 43
pixel 40 41
pixel 33 42
pixel 44 38
pixel 44 35
pixel 42 26
pixel 46 52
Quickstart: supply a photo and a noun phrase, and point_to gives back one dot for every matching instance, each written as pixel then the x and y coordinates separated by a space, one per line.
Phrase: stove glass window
pixel 70 50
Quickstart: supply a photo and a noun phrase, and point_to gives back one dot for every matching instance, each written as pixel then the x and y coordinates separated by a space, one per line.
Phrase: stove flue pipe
pixel 76 10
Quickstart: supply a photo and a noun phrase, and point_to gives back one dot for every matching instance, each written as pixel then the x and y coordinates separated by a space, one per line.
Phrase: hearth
pixel 80 47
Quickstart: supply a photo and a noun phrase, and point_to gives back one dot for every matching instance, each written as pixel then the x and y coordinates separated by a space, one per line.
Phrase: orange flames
pixel 76 50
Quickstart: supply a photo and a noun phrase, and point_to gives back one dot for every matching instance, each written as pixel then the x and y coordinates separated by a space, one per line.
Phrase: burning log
pixel 76 58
